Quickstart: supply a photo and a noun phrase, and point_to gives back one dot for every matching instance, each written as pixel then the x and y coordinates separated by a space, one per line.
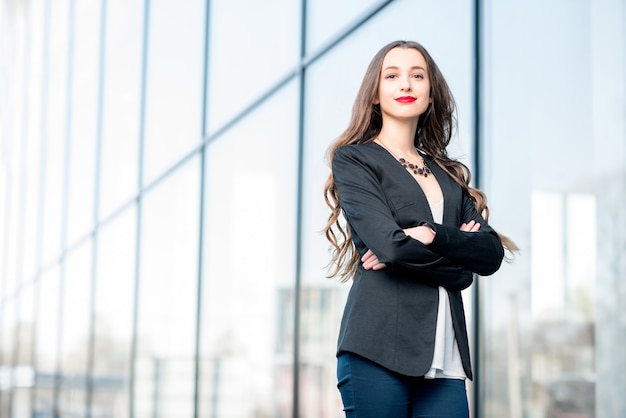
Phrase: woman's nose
pixel 405 84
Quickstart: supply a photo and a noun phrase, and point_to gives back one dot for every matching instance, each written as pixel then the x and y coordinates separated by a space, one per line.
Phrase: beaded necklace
pixel 416 169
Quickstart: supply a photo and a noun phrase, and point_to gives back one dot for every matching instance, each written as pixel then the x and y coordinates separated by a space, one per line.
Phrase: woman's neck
pixel 399 136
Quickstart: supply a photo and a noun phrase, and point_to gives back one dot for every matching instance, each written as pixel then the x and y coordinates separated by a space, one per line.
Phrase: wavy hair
pixel 434 131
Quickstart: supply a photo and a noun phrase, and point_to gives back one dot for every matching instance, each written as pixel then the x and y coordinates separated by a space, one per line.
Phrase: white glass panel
pixel 83 117
pixel 75 323
pixel 249 264
pixel 327 18
pixel 113 325
pixel 174 83
pixel 167 296
pixel 24 377
pixel 46 340
pixel 34 166
pixel 253 45
pixel 55 133
pixel 555 170
pixel 121 105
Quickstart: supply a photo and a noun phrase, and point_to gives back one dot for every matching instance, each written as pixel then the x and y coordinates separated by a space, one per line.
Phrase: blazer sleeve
pixel 481 252
pixel 371 219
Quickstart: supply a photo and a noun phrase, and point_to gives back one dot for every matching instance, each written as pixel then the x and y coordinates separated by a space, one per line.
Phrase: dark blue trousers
pixel 371 391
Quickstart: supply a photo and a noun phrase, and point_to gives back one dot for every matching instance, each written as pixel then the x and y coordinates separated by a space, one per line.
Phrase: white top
pixel 446 359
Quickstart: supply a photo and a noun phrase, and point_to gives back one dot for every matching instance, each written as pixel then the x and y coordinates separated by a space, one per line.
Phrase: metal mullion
pixel 42 177
pixel 65 199
pixel 96 210
pixel 139 199
pixel 476 171
pixel 202 191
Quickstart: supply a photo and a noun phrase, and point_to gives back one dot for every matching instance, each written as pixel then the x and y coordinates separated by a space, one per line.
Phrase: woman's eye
pixel 420 76
pixel 390 76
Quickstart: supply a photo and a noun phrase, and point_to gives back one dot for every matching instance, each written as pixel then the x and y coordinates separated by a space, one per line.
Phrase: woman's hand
pixel 423 233
pixel 370 261
pixel 471 226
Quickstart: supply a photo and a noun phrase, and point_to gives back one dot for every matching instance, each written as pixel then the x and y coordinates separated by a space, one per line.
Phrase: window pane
pixel 83 125
pixel 248 280
pixel 47 306
pixel 167 296
pixel 327 18
pixel 121 106
pixel 55 131
pixel 24 373
pixel 75 325
pixel 113 325
pixel 556 185
pixel 174 83
pixel 34 166
pixel 8 324
pixel 241 71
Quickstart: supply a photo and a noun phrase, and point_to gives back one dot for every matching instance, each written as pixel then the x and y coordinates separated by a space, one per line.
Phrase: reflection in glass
pixel 24 373
pixel 113 315
pixel 55 132
pixel 327 18
pixel 83 127
pixel 119 148
pixel 249 265
pixel 47 302
pixel 174 83
pixel 35 71
pixel 168 280
pixel 245 63
pixel 9 325
pixel 75 325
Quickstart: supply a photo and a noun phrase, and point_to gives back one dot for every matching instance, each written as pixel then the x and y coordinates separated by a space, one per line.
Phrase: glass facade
pixel 161 175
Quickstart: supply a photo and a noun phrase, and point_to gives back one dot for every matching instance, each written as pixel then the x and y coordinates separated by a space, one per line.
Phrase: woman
pixel 414 238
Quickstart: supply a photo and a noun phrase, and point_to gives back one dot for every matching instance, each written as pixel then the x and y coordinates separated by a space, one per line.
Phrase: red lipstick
pixel 405 99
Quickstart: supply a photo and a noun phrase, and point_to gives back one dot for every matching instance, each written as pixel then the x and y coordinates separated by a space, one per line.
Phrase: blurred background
pixel 161 172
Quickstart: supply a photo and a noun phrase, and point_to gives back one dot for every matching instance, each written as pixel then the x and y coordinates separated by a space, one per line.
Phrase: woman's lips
pixel 405 99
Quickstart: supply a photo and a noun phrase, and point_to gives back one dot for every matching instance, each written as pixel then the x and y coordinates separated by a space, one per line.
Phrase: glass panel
pixel 608 142
pixel 113 325
pixel 174 83
pixel 34 154
pixel 12 223
pixel 248 280
pixel 166 335
pixel 46 342
pixel 55 131
pixel 121 106
pixel 75 331
pixel 551 327
pixel 240 71
pixel 327 18
pixel 24 372
pixel 83 125
pixel 9 325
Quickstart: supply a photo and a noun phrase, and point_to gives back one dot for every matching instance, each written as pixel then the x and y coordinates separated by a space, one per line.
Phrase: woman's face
pixel 404 85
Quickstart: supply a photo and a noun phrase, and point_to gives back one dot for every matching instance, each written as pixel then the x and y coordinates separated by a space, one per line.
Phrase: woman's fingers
pixel 370 261
pixel 471 226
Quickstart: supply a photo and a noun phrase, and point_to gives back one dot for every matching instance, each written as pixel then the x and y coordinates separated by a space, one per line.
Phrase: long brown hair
pixel 433 134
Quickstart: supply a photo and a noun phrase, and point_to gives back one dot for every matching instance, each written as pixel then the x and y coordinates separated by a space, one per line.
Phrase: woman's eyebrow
pixel 415 67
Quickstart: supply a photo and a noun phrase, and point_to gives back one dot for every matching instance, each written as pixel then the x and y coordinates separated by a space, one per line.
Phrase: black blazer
pixel 390 316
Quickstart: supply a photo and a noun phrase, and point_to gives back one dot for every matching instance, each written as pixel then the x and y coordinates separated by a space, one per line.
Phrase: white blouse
pixel 446 359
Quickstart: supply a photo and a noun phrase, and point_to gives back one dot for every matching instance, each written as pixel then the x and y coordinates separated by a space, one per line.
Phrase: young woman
pixel 415 236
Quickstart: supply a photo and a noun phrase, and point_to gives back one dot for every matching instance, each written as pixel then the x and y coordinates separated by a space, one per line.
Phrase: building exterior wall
pixel 161 173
